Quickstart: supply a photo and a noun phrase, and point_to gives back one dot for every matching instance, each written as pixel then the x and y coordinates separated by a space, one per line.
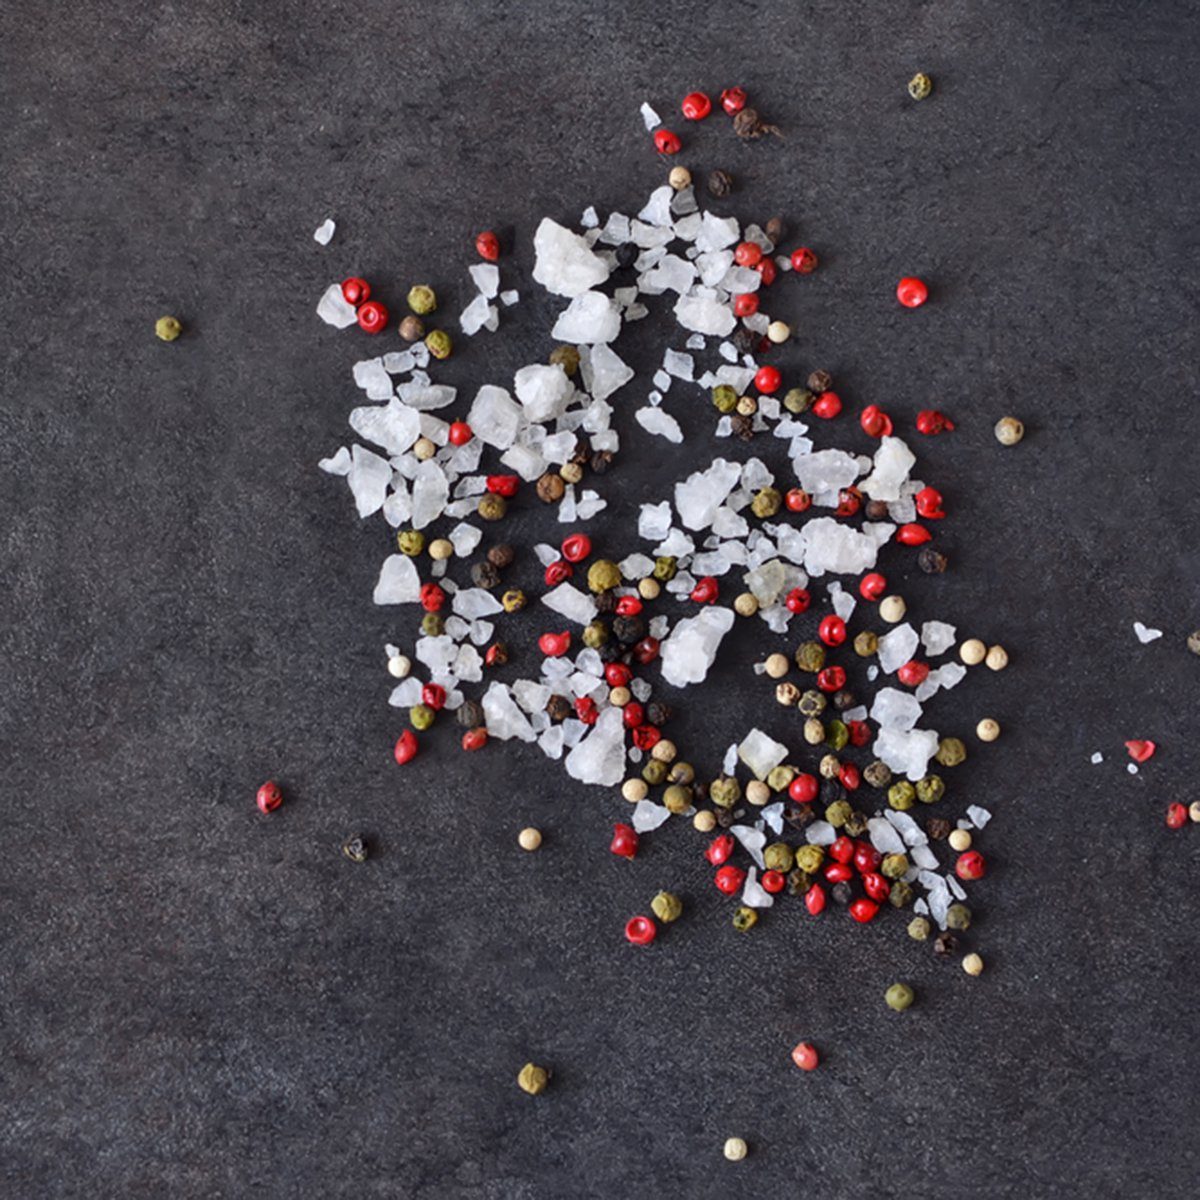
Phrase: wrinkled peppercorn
pixel 355 848
pixel 800 816
pixel 767 502
pixel 830 791
pixel 878 774
pixel 601 461
pixel 724 398
pixel 798 882
pixel 720 183
pixel 725 817
pixel 812 703
pixel 798 400
pixel 938 828
pixel 496 655
pixel 550 488
pixel 820 381
pixel 606 603
pixel 836 734
pixel 566 357
pixel 627 253
pixel 901 894
pixel 902 796
pixel 842 893
pixel 856 824
pixel 958 917
pixel 810 657
pixel 469 714
pixel 749 126
pixel 501 556
pixel 866 644
pixel 742 426
pixel 595 634
pixel 665 568
pixel 628 630
pixel 745 339
pixel 932 561
pixel 658 713
pixel 433 624
pixel 492 507
pixel 945 945
pixel 843 699
pixel 930 789
pixel 725 791
pixel 951 752
pixel 558 708
pixel 485 575
pixel 655 771
pixel 514 600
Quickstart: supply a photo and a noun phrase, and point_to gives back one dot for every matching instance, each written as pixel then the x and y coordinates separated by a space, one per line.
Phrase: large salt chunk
pixel 373 379
pixel 698 497
pixel 431 491
pixel 659 421
pixel 908 751
pixel 832 545
pixel 605 372
pixel 826 471
pixel 765 582
pixel 761 753
pixel 568 601
pixel 590 318
pixel 334 309
pixel 752 840
pixel 394 425
pixel 486 277
pixel 754 895
pixel 897 647
pixel 398 582
pixel 368 477
pixel 937 637
pixel 670 274
pixel 894 709
pixel 658 207
pixel 600 756
pixel 702 312
pixel 473 603
pixel 495 417
pixel 425 396
pixel 692 646
pixel 475 315
pixel 893 461
pixel 717 232
pixel 654 521
pixel 543 390
pixel 503 718
pixel 563 261
pixel 884 837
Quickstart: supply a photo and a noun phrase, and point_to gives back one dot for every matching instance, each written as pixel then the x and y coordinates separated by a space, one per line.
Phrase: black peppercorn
pixel 720 183
pixel 627 253
pixel 820 381
pixel 469 714
pixel 606 602
pixel 749 126
pixel 699 793
pixel 843 699
pixel 931 561
pixel 745 340
pixel 558 708
pixel 485 575
pixel 797 818
pixel 842 893
pixel 938 828
pixel 945 945
pixel 831 792
pixel 610 652
pixel 601 461
pixel 658 713
pixel 876 510
pixel 628 630
pixel 501 556
pixel 855 824
pixel 742 426
pixel 725 817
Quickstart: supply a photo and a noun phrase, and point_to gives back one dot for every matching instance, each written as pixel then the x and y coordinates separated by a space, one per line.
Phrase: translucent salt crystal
pixel 600 756
pixel 649 237
pixel 894 709
pixel 559 447
pixel 481 632
pixel 334 310
pixel 546 554
pixel 753 840
pixel 772 814
pixel 776 617
pixel 670 274
pixel 826 471
pixel 431 491
pixel 843 602
pixel 820 833
pixel 907 751
pixel 1145 635
pixel 373 379
pixel 907 827
pixel 937 637
pixel 568 601
pixel 1097 757
pixel 399 362
pixel 486 277
pixel 424 396
pixel 647 815
pixel 717 232
pixel 407 693
pixel 922 856
pixel 662 381
pixel 702 312
pixel 766 582
pixel 893 461
pixel 754 895
pixel 1131 768
pixel 324 232
pixel 437 653
pixel 761 753
pixel 525 461
pixel 650 117
pixel 494 417
pixel 509 298
pixel 658 207
pixel 543 389
pixel 398 581
pixel 741 280
pixel 831 545
pixel 659 421
pixel 715 562
pixel 636 566
pixel 728 524
pixel 590 218
pixel 659 626
pixel 531 695
pixel 339 464
pixel 605 372
pixel 472 317
pixel 695 342
pixel 590 503
pixel 642 689
pixel 884 837
pixel 551 742
pixel 464 538
pixel 608 439
pixel 956 889
pixel 738 378
pixel 692 646
pixel 473 603
pixel 676 544
pixel 698 497
pixel 591 317
pixel 980 816
pixel 654 521
pixel 563 262
pixel 897 647
pixel 397 508
pixel 503 718
pixel 566 506
pixel 729 763
pixel 368 480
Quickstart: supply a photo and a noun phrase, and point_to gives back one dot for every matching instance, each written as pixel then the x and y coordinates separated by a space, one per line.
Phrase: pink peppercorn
pixel 269 797
pixel 641 931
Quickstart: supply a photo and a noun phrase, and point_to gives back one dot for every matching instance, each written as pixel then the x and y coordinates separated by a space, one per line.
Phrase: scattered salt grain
pixel 650 117
pixel 324 232
pixel 647 816
pixel 1145 635
pixel 1097 758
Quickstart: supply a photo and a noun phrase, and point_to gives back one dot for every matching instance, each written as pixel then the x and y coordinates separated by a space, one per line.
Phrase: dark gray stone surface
pixel 200 1002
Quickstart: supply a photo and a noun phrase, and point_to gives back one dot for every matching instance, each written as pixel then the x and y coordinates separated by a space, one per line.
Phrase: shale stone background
pixel 198 1002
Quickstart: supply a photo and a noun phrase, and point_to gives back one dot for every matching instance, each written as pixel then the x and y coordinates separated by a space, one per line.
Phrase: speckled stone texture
pixel 198 1002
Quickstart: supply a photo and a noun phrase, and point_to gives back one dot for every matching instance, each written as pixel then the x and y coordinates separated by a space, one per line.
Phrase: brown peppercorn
pixel 720 183
pixel 843 699
pixel 469 714
pixel 931 561
pixel 787 693
pixel 501 555
pixel 749 126
pixel 492 507
pixel 820 381
pixel 658 713
pixel 628 630
pixel 945 945
pixel 558 708
pixel 742 426
pixel 606 602
pixel 550 488
pixel 1193 642
pixel 876 510
pixel 842 893
pixel 566 357
pixel 601 461
pixel 412 329
pixel 938 828
pixel 485 575
pixel 775 229
pixel 798 817
pixel 745 339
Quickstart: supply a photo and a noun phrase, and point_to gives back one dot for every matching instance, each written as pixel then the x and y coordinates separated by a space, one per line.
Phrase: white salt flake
pixel 754 895
pixel 398 581
pixel 1097 758
pixel 568 601
pixel 1145 635
pixel 650 117
pixel 325 231
pixel 564 263
pixel 937 637
pixel 752 840
pixel 599 757
pixel 647 816
pixel 761 753
pixel 334 309
pixel 691 648
pixel 591 317
pixel 659 421
pixel 980 816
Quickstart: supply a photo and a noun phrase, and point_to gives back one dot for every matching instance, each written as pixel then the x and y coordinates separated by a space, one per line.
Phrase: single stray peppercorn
pixel 167 329
pixel 640 931
pixel 268 797
pixel 920 85
pixel 899 996
pixel 805 1056
pixel 355 848
pixel 911 292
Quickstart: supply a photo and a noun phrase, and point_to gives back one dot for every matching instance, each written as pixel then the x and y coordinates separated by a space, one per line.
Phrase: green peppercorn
pixel 603 576
pixel 919 928
pixel 838 813
pixel 681 772
pixel 433 624
pixel 877 774
pixel 744 918
pixel 814 731
pixel 665 567
pixel 901 894
pixel 566 357
pixel 725 792
pixel 866 643
pixel 667 907
pixel 958 916
pixel 595 634
pixel 492 506
pixel 920 85
pixel 812 703
pixel 167 328
pixel 677 798
pixel 779 856
pixel 513 600
pixel 780 777
pixel 899 997
pixel 767 502
pixel 798 400
pixel 410 542
pixel 439 343
pixel 809 858
pixel 893 866
pixel 930 789
pixel 724 398
pixel 951 752
pixel 810 657
pixel 533 1079
pixel 836 734
pixel 856 824
pixel 421 716
pixel 422 299
pixel 902 796
pixel 655 771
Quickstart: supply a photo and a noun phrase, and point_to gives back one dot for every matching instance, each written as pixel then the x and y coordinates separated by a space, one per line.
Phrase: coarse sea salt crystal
pixel 659 421
pixel 1144 634
pixel 568 601
pixel 473 318
pixel 754 895
pixel 830 545
pixel 647 815
pixel 1131 768
pixel 503 718
pixel 884 836
pixel 761 753
pixel 591 317
pixel 698 497
pixel 564 263
pixel 937 637
pixel 820 833
pixel 605 372
pixel 649 117
pixel 752 840
pixel 636 566
pixel 473 603
pixel 334 310
pixel 691 648
pixel 907 751
pixel 495 417
pixel 371 376
pixel 893 461
pixel 980 816
pixel 702 312
pixel 599 758
pixel 368 480
pixel 398 581
pixel 543 389
pixel 897 647
pixel 1097 757
pixel 339 464
pixel 654 521
pixel 729 762
pixel 894 709
pixel 324 232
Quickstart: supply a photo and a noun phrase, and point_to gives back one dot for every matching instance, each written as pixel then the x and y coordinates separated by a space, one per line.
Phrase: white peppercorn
pixel 1009 431
pixel 988 730
pixel 778 332
pixel 399 666
pixel 529 838
pixel 635 789
pixel 679 178
pixel 735 1149
pixel 960 840
pixel 997 658
pixel 973 964
pixel 892 609
pixel 776 665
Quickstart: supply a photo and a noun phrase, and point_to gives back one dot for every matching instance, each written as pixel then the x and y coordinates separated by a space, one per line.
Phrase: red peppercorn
pixel 555 645
pixel 665 142
pixel 774 882
pixel 767 269
pixel 841 849
pixel 913 534
pixel 866 858
pixel 931 422
pixel 558 572
pixel 696 106
pixel 496 655
pixel 832 630
pixel 646 651
pixel 624 842
pixel 487 245
pixel 798 600
pixel 729 879
pixel 814 899
pixel 767 380
pixel 827 406
pixel 270 796
pixel 872 586
pixel 849 777
pixel 641 931
pixel 876 886
pixel 355 291
pixel 804 261
pixel 719 849
pixel 706 590
pixel 849 502
pixel 576 547
pixel 929 504
pixel 836 872
pixel 804 788
pixel 617 674
pixel 733 100
pixel 831 679
pixel 863 910
pixel 586 710
pixel 372 317
pixel 406 747
pixel 798 500
pixel 503 485
pixel 1140 751
pixel 911 292
pixel 432 597
pixel 747 254
pixel 970 865
pixel 1177 815
pixel 805 1056
pixel 913 673
pixel 628 606
pixel 475 739
pixel 745 304
pixel 875 422
pixel 646 737
pixel 460 433
pixel 632 715
pixel 433 695
pixel 860 732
